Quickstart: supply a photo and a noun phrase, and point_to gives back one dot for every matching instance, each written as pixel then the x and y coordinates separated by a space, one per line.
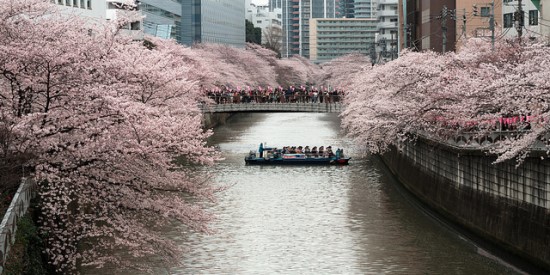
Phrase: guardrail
pixel 272 107
pixel 18 207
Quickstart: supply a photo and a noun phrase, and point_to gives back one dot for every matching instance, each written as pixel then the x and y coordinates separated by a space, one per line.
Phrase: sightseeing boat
pixel 274 156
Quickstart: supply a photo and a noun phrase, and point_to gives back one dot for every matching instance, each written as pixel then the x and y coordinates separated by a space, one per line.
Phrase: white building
pixel 545 19
pixel 387 17
pixel 269 21
pixel 531 26
pixel 102 10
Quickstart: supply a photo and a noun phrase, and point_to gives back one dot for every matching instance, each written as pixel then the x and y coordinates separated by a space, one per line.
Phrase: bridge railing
pixel 263 99
pixel 328 105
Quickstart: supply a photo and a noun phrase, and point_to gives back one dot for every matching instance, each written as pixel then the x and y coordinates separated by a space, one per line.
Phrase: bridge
pixel 307 107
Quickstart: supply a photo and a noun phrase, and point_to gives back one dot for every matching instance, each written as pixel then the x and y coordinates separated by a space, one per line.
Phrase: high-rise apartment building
pixel 334 37
pixel 387 17
pixel 213 21
pixel 365 8
pixel 275 4
pixel 162 18
pixel 357 8
pixel 296 20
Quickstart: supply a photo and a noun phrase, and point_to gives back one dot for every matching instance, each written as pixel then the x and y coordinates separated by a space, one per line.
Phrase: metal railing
pixel 17 209
pixel 295 103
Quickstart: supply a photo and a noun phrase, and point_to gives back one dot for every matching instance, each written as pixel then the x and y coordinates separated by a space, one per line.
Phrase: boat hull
pixel 306 161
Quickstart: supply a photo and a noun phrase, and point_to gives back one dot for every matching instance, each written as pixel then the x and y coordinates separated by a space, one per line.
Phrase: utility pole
pixel 443 18
pixel 464 23
pixel 492 25
pixel 519 18
pixel 372 54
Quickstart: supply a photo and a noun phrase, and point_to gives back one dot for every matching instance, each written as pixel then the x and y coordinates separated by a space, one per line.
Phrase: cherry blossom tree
pixel 441 95
pixel 115 132
pixel 221 65
pixel 339 72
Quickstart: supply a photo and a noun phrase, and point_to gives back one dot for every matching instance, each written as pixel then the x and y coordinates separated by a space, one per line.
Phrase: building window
pixel 508 22
pixel 135 26
pixel 82 4
pixel 75 3
pixel 89 4
pixel 67 2
pixel 485 11
pixel 533 17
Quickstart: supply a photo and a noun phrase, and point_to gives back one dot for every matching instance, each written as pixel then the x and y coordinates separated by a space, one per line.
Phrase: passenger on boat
pixel 314 151
pixel 321 151
pixel 307 151
pixel 261 150
pixel 329 152
pixel 299 150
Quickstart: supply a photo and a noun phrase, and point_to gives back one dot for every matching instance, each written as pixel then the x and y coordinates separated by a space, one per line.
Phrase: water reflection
pixel 316 220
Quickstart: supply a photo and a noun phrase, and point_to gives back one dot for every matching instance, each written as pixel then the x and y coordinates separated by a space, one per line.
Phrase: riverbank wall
pixel 502 203
pixel 211 120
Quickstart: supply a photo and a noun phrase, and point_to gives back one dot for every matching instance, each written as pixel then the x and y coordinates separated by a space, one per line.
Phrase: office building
pixel 162 18
pixel 213 21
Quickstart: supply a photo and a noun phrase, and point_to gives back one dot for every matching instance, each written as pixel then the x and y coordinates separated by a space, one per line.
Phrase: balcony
pixel 386 25
pixel 387 13
pixel 387 2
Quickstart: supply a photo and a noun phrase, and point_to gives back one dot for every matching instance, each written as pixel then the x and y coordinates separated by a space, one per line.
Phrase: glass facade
pixel 213 21
pixel 162 18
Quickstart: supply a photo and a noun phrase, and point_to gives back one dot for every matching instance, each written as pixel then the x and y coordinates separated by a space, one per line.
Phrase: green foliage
pixel 253 35
pixel 25 256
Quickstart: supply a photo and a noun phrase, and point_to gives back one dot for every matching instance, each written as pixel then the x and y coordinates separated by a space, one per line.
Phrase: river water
pixel 318 219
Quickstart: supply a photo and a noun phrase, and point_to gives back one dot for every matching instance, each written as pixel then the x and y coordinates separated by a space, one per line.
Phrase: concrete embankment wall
pixel 507 205
pixel 211 120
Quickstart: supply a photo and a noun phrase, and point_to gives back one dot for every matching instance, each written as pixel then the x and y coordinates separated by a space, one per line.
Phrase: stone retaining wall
pixel 504 204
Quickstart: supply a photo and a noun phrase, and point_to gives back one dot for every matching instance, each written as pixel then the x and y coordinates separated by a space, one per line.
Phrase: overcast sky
pixel 260 2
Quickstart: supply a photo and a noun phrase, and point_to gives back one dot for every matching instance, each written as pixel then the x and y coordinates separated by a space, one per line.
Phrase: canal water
pixel 318 219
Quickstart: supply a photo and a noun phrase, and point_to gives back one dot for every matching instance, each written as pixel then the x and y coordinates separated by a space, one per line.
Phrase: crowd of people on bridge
pixel 291 94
